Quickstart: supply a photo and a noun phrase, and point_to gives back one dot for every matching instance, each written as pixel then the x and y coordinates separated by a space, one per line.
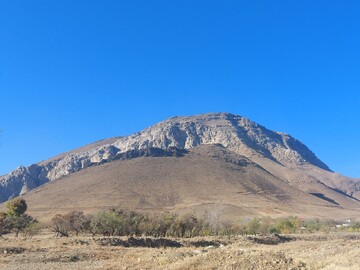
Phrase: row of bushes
pixel 121 223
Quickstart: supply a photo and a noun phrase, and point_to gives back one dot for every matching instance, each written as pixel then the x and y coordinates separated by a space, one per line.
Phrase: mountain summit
pixel 234 132
pixel 277 155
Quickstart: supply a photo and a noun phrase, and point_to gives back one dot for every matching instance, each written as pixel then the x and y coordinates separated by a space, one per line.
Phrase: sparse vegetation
pixel 33 229
pixel 145 232
pixel 123 223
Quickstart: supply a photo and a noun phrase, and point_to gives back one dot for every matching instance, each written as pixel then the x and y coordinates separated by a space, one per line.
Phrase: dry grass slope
pixel 208 178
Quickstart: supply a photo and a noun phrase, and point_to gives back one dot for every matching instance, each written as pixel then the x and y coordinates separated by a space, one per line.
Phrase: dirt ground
pixel 317 251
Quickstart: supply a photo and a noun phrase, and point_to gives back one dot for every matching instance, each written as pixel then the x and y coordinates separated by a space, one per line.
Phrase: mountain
pixel 187 163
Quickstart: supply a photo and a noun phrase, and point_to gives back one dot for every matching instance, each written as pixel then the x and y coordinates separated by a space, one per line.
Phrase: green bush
pixel 107 223
pixel 313 225
pixel 253 226
pixel 287 225
pixel 15 219
pixel 16 207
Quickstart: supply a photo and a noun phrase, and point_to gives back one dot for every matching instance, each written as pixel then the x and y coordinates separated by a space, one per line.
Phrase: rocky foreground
pixel 320 251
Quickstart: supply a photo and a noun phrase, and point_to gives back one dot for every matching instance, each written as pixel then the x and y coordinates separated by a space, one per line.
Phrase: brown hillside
pixel 208 178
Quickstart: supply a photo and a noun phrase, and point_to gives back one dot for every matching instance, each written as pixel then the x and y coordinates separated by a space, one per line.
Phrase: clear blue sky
pixel 73 72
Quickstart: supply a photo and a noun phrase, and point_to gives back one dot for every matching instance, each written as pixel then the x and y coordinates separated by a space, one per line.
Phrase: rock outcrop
pixel 236 133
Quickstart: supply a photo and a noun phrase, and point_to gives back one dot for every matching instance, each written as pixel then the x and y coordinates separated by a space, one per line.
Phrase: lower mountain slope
pixel 205 178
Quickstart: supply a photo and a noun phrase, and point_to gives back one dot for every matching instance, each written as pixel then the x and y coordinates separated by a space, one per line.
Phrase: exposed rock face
pixel 21 180
pixel 234 132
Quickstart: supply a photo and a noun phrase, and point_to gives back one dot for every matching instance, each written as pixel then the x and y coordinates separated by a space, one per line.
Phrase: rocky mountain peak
pixel 234 132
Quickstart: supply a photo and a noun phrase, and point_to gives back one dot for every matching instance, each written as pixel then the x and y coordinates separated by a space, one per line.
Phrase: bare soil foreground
pixel 315 251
